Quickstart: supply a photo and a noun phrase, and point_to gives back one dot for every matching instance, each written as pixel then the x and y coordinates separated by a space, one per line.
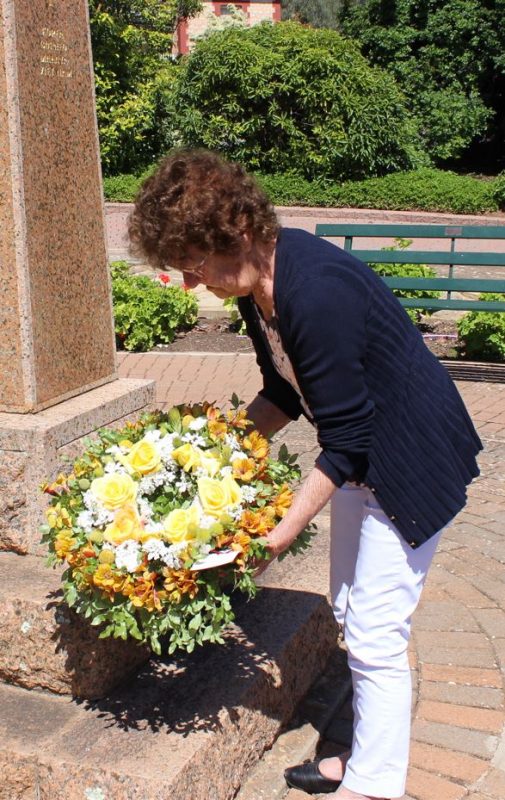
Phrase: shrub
pixel 122 188
pixel 408 271
pixel 499 191
pixel 147 312
pixel 447 56
pixel 482 333
pixel 131 44
pixel 286 97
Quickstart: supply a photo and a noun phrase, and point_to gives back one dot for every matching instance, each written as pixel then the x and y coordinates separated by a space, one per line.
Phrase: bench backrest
pixel 449 256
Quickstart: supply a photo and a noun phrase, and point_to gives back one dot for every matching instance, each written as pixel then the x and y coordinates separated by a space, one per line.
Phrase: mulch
pixel 209 336
pixel 220 336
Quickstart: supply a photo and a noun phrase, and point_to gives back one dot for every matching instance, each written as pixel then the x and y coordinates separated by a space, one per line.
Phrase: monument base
pixel 189 727
pixel 45 645
pixel 35 447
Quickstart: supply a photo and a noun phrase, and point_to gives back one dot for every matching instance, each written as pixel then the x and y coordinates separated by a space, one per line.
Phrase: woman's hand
pixel 274 552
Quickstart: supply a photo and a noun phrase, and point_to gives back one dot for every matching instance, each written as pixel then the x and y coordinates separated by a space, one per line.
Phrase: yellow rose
pixel 126 525
pixel 188 457
pixel 114 490
pixel 144 457
pixel 211 462
pixel 233 490
pixel 181 524
pixel 215 495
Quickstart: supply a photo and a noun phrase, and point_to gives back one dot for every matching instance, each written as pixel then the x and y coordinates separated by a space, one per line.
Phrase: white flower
pixel 85 521
pixel 145 509
pixel 113 466
pixel 183 485
pixel 236 455
pixel 194 439
pixel 159 551
pixel 154 527
pixel 224 471
pixel 166 446
pixel 235 512
pixel 100 516
pixel 152 436
pixel 128 555
pixel 248 493
pixel 198 424
pixel 149 483
pixel 115 450
pixel 231 441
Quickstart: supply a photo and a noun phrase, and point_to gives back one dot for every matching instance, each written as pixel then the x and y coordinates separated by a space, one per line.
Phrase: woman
pixel 397 445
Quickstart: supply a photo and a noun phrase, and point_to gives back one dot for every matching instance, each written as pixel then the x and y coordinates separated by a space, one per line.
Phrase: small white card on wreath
pixel 215 560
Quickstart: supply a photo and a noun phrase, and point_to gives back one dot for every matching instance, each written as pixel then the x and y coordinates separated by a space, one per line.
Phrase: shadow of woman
pixel 276 648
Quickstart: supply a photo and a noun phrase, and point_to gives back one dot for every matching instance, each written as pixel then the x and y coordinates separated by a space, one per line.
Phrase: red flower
pixel 164 278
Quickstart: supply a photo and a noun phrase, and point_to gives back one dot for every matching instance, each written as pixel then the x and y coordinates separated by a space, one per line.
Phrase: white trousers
pixel 376 581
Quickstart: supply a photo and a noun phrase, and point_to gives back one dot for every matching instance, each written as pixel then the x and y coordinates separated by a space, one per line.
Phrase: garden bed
pixel 219 336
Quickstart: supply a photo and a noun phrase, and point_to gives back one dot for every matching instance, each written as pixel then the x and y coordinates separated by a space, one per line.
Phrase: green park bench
pixel 451 257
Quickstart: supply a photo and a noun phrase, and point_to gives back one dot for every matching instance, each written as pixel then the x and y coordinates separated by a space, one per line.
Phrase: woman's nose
pixel 190 280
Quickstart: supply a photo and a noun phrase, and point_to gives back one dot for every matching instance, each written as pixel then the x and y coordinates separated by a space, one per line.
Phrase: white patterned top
pixel 280 359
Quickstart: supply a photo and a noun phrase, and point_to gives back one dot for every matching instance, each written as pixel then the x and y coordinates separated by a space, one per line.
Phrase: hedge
pixel 420 190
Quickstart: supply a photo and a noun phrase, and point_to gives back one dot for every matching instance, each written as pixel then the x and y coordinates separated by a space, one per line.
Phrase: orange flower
pixel 211 411
pixel 143 592
pixel 238 419
pixel 77 559
pixel 217 429
pixel 60 485
pixel 179 582
pixel 282 501
pixel 244 469
pixel 258 523
pixel 224 540
pixel 108 581
pixel 241 541
pixel 257 445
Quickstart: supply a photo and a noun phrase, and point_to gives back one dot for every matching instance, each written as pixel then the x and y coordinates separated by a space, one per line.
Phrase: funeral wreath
pixel 158 521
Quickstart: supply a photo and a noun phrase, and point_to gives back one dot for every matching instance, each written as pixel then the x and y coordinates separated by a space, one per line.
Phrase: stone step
pixel 189 728
pixel 44 645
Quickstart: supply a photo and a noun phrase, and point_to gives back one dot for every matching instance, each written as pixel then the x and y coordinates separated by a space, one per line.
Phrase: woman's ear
pixel 247 239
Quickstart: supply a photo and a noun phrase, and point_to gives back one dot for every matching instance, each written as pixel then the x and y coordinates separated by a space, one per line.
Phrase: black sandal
pixel 309 779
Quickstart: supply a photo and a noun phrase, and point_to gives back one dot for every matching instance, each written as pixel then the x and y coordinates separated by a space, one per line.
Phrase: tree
pixel 447 55
pixel 132 44
pixel 319 13
pixel 286 97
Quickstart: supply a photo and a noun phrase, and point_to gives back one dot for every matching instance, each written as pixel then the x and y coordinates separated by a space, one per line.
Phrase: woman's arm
pixel 267 418
pixel 314 493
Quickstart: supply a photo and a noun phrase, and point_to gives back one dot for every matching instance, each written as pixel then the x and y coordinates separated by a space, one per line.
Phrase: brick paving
pixel 458 642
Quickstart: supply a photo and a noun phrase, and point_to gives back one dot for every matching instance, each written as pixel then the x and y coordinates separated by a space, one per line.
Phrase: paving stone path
pixel 458 643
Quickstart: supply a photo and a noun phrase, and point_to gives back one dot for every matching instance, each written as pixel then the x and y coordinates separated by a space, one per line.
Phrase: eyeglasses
pixel 196 269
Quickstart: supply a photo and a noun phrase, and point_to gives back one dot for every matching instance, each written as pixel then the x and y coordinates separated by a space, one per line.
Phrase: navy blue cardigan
pixel 386 411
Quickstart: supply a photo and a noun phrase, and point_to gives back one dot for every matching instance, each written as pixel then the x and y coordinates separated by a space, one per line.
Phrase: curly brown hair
pixel 197 198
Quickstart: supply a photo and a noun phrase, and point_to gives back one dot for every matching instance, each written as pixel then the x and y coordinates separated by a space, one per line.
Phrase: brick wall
pixel 257 12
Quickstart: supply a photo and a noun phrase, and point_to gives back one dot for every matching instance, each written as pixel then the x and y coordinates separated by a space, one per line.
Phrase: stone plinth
pixel 189 728
pixel 44 645
pixel 35 447
pixel 56 330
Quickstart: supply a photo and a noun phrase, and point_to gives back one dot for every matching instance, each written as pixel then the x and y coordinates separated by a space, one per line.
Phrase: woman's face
pixel 224 275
